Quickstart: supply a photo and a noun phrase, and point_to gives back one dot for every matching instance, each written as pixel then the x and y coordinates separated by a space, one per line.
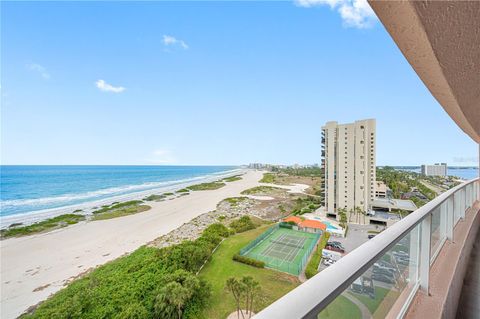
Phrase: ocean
pixel 44 190
pixel 466 173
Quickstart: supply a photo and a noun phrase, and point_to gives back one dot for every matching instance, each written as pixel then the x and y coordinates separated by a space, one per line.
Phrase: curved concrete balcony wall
pixel 382 277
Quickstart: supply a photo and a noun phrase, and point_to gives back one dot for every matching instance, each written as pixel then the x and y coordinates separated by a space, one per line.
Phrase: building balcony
pixel 413 269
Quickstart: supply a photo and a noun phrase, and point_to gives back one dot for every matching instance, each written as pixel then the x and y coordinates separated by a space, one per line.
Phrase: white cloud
pixel 40 69
pixel 162 156
pixel 354 13
pixel 168 40
pixel 104 86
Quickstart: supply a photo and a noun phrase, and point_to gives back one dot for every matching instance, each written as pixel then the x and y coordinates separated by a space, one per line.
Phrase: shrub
pixel 312 266
pixel 242 224
pixel 249 261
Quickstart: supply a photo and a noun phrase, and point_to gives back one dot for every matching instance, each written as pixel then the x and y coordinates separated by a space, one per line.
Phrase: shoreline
pixel 36 266
pixel 87 207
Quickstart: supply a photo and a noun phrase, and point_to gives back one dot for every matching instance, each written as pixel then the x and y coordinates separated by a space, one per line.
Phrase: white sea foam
pixel 98 198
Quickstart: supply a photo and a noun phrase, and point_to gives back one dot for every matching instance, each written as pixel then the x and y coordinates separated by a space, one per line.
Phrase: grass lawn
pixel 372 304
pixel 274 284
pixel 341 308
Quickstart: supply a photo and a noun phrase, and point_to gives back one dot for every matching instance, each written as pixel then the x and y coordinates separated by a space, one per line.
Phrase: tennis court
pixel 282 249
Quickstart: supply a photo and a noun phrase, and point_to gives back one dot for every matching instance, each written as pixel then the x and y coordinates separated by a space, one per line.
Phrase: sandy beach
pixel 36 266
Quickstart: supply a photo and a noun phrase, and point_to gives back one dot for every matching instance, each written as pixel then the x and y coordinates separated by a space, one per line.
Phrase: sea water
pixel 30 189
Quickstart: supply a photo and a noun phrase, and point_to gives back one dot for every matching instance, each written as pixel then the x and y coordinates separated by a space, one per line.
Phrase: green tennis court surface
pixel 282 249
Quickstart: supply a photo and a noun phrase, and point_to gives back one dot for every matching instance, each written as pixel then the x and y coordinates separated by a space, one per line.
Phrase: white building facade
pixel 348 159
pixel 439 169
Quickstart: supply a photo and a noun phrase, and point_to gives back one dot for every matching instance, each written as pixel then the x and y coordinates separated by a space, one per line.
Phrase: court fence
pixel 294 268
pixel 260 238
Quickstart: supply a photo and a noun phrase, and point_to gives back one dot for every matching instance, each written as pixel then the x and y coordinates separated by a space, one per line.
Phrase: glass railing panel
pixel 385 288
pixel 438 229
pixel 456 206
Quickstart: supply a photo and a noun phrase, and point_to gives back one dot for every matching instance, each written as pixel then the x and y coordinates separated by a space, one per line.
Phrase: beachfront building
pixel 348 159
pixel 439 169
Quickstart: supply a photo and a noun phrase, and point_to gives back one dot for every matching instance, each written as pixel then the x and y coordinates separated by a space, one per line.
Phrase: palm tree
pixel 237 290
pixel 251 289
pixel 179 295
pixel 358 212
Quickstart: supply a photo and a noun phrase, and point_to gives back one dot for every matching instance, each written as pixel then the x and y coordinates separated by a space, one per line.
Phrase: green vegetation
pixel 401 182
pixel 168 194
pixel 242 224
pixel 247 288
pixel 248 261
pixel 77 211
pixel 306 205
pixel 149 283
pixel 312 266
pixel 120 209
pixel 183 190
pixel 372 304
pixel 235 200
pixel 232 178
pixel 154 197
pixel 260 190
pixel 341 308
pixel 43 226
pixel 303 171
pixel 268 178
pixel 221 267
pixel 206 186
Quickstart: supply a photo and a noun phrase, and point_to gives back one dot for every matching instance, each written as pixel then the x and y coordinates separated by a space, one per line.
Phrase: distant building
pixel 439 169
pixel 348 158
pixel 382 190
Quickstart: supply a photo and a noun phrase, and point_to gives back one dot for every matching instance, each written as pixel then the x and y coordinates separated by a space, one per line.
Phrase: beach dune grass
pixel 261 190
pixel 43 226
pixel 120 209
pixel 232 178
pixel 206 186
pixel 273 284
pixel 268 178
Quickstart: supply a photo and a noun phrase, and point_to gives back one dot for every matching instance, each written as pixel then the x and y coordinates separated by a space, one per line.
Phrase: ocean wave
pixel 93 195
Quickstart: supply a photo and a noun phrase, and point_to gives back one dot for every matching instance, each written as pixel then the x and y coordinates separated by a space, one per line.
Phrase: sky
pixel 209 83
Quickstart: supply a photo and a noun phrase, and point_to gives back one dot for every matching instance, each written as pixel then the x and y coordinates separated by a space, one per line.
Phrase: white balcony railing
pixel 380 278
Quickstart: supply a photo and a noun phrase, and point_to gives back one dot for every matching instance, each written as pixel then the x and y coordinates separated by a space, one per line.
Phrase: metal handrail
pixel 311 297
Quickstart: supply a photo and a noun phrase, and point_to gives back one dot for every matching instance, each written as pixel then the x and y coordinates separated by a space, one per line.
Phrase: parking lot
pixel 356 236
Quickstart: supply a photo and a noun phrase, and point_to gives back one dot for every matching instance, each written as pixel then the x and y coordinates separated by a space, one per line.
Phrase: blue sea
pixel 29 189
pixel 466 173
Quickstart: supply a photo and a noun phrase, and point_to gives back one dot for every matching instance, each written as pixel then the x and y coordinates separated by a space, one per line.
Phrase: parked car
pixel 383 277
pixel 328 262
pixel 402 260
pixel 334 248
pixel 400 253
pixel 335 244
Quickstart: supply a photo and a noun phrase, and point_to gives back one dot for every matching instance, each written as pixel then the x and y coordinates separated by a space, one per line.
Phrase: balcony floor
pixel 469 305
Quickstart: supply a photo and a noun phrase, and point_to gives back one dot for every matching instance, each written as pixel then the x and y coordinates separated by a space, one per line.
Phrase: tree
pixel 351 212
pixel 173 297
pixel 251 290
pixel 237 290
pixel 342 212
pixel 358 213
